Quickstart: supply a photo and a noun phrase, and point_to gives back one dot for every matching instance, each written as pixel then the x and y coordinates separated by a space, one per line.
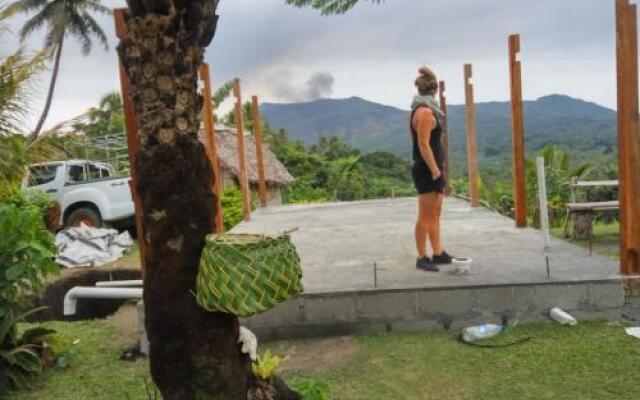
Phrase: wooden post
pixel 445 137
pixel 257 132
pixel 519 182
pixel 472 147
pixel 211 145
pixel 131 126
pixel 243 178
pixel 628 136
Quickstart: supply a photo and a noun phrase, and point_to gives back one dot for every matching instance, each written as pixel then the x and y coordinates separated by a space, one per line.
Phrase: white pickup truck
pixel 88 192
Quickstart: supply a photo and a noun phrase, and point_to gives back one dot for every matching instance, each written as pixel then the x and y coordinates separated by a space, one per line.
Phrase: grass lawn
pixel 605 242
pixel 589 361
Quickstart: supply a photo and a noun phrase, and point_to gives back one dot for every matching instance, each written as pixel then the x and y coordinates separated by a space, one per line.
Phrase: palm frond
pixel 94 28
pixel 15 73
pixel 77 27
pixel 61 17
pixel 48 15
pixel 582 170
pixel 111 102
pixel 23 6
pixel 16 154
pixel 328 7
pixel 222 93
pixel 95 5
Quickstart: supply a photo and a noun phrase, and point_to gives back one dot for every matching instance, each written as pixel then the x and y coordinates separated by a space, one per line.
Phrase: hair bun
pixel 426 82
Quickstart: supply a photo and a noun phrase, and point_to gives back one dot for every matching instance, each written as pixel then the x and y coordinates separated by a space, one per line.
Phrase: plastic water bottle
pixel 562 317
pixel 481 332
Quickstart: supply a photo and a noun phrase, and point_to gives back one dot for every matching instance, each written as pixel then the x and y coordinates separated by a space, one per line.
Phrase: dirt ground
pixel 312 355
pixel 317 354
pixel 125 320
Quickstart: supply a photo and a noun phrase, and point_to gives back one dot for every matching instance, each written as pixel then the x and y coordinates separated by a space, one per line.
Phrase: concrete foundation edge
pixel 410 310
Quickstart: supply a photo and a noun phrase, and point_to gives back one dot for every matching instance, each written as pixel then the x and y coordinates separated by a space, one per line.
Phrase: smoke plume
pixel 318 86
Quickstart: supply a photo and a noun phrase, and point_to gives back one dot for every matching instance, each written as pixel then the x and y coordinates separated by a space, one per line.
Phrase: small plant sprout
pixel 266 365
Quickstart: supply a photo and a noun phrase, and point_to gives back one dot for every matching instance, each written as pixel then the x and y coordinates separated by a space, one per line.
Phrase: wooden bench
pixel 581 213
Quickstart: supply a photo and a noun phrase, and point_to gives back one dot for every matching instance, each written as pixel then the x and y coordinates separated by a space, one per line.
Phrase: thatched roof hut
pixel 275 173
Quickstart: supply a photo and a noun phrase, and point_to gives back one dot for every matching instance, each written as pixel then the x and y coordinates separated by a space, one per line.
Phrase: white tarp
pixel 635 332
pixel 85 246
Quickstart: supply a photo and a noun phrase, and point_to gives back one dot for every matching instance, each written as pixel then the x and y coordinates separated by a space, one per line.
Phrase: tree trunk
pixel 194 354
pixel 52 87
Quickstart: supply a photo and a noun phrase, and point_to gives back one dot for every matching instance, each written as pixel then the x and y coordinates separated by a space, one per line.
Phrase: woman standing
pixel 428 164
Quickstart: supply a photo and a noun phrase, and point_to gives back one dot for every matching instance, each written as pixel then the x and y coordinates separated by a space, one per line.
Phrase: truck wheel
pixel 84 215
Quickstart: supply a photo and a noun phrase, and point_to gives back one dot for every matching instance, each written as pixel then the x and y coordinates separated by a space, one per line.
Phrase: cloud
pixel 283 53
pixel 319 85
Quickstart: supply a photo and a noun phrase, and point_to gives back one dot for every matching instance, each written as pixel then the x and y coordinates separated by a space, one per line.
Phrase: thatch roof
pixel 227 144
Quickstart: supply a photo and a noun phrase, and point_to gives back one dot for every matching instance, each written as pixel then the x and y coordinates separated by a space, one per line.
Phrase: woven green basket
pixel 245 275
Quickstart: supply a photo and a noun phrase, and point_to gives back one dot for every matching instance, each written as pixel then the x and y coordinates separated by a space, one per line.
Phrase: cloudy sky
pixel 287 54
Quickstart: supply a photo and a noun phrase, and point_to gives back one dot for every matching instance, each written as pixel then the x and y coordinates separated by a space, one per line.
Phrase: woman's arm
pixel 425 124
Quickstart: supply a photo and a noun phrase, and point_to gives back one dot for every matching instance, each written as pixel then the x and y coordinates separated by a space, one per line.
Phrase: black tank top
pixel 435 141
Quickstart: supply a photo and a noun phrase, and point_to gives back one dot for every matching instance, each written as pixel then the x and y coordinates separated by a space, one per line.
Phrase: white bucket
pixel 463 265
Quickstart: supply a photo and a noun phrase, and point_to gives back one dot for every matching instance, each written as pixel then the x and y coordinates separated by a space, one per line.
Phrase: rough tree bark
pixel 194 354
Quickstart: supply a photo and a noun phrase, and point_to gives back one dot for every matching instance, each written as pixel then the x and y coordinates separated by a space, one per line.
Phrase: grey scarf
pixel 429 101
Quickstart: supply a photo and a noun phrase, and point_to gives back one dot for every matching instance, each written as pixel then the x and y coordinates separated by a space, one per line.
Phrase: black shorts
pixel 423 180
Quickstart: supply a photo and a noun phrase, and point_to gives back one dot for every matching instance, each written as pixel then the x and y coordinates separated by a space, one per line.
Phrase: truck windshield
pixel 42 174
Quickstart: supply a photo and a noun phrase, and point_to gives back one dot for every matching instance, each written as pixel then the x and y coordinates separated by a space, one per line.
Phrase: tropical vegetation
pixel 60 18
pixel 27 247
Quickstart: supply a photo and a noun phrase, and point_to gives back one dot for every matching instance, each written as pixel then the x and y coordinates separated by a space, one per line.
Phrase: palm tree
pixel 16 72
pixel 61 18
pixel 194 354
pixel 108 117
pixel 109 104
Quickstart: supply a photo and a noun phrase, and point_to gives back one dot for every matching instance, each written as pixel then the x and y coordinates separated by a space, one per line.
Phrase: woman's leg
pixel 434 210
pixel 422 226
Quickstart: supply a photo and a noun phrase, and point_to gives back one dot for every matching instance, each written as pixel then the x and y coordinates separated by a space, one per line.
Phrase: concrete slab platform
pixel 339 243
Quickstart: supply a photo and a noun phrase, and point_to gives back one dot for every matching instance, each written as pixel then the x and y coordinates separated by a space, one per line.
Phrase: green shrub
pixel 311 389
pixel 231 207
pixel 27 251
pixel 303 191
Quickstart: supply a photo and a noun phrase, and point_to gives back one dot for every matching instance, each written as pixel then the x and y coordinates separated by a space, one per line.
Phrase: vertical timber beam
pixel 628 136
pixel 257 132
pixel 210 143
pixel 131 126
pixel 472 147
pixel 243 178
pixel 519 183
pixel 445 138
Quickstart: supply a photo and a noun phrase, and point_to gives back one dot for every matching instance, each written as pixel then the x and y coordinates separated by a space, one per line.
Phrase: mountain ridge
pixel 572 123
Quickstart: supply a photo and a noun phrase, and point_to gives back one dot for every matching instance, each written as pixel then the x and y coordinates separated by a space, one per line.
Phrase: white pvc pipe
pixel 544 212
pixel 82 292
pixel 131 283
